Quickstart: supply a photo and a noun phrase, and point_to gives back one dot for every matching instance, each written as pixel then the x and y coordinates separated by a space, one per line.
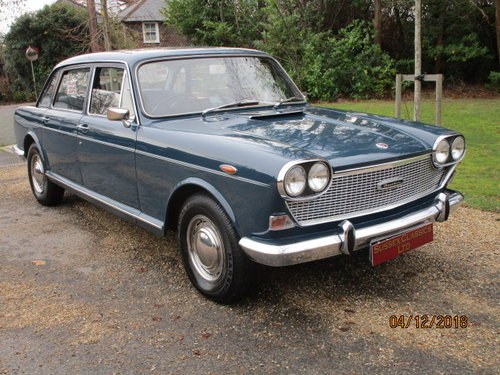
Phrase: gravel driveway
pixel 83 292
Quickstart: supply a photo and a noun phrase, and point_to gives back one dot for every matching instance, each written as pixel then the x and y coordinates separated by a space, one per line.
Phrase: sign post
pixel 32 55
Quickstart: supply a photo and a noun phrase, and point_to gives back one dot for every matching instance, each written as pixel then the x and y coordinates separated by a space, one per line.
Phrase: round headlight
pixel 319 177
pixel 295 181
pixel 457 148
pixel 442 152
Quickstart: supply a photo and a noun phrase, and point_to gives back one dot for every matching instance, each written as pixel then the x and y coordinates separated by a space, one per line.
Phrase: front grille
pixel 357 193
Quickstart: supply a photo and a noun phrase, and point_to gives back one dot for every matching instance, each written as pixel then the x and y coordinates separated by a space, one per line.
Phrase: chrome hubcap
pixel 206 249
pixel 38 174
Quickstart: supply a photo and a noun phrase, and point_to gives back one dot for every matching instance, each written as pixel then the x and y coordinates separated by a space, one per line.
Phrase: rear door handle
pixel 82 127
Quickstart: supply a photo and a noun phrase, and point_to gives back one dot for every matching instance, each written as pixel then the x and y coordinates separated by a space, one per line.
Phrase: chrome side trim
pixel 347 237
pixel 19 152
pixel 72 134
pixel 119 209
pixel 125 148
pixel 200 168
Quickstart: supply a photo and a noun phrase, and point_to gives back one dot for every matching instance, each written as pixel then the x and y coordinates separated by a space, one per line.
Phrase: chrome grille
pixel 355 193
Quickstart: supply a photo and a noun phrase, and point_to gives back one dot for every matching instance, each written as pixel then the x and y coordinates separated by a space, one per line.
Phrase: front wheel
pixel 213 260
pixel 44 190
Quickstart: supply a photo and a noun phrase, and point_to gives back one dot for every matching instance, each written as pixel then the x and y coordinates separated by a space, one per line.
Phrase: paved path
pixel 8 158
pixel 6 123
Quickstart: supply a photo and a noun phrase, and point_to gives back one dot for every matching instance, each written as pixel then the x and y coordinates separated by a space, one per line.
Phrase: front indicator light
pixel 280 222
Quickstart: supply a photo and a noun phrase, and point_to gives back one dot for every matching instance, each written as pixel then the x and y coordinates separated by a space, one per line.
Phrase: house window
pixel 151 32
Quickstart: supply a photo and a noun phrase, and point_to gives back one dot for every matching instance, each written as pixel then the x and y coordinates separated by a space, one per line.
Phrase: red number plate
pixel 393 247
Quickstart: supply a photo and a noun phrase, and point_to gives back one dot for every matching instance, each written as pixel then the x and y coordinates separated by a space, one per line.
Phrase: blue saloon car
pixel 220 145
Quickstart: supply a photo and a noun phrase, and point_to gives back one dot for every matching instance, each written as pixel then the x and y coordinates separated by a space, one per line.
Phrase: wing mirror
pixel 120 114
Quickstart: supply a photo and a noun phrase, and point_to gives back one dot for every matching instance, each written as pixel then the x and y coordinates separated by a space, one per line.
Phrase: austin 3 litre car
pixel 220 145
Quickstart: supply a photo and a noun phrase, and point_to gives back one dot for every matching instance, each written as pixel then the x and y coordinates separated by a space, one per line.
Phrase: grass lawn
pixel 477 175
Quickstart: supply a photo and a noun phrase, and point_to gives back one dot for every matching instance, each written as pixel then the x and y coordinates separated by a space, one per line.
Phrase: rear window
pixel 72 89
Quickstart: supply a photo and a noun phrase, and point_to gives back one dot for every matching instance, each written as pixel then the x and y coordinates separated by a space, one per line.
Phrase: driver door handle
pixel 82 127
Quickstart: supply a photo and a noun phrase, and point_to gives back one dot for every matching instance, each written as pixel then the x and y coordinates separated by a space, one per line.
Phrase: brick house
pixel 145 17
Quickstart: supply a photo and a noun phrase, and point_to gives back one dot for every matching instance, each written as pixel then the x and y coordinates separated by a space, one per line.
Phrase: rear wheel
pixel 44 190
pixel 213 260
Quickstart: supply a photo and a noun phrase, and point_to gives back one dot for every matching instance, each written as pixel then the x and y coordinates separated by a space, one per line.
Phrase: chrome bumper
pixel 350 239
pixel 19 152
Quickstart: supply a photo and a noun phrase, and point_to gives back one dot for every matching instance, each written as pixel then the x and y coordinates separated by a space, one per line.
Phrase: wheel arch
pixel 188 188
pixel 31 138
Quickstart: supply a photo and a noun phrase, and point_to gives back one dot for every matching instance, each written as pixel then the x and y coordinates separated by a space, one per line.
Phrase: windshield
pixel 172 87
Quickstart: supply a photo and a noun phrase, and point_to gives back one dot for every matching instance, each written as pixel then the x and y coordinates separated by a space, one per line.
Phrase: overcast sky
pixel 30 6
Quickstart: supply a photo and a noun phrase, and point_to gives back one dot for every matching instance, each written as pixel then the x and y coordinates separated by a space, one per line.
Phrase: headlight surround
pixel 457 148
pixel 318 177
pixel 442 151
pixel 448 150
pixel 295 181
pixel 304 179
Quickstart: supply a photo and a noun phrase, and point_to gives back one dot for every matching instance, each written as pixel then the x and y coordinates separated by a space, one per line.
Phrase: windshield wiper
pixel 288 100
pixel 239 103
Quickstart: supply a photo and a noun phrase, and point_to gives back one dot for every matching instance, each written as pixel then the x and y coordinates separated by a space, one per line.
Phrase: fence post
pixel 398 95
pixel 439 97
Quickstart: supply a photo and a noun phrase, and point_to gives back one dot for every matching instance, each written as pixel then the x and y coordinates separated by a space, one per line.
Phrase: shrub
pixel 494 81
pixel 349 64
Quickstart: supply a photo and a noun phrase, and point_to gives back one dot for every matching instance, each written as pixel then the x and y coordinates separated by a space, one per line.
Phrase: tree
pixel 458 35
pixel 9 9
pixel 497 21
pixel 94 35
pixel 216 23
pixel 377 22
pixel 59 31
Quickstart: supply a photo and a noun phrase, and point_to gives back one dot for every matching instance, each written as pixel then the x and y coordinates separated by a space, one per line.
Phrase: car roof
pixel 136 55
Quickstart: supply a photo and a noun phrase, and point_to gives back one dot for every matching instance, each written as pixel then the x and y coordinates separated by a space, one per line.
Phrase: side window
pixel 72 89
pixel 48 93
pixel 106 89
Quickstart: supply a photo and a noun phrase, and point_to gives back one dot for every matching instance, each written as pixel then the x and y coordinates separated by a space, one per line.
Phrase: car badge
pixel 382 146
pixel 390 183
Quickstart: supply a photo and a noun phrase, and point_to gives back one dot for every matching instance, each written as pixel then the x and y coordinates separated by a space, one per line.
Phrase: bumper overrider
pixel 349 238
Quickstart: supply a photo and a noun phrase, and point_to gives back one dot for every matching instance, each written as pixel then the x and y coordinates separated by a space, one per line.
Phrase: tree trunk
pixel 497 16
pixel 377 22
pixel 105 25
pixel 94 42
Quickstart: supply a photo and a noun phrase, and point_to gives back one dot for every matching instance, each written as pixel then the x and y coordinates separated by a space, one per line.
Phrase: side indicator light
pixel 229 169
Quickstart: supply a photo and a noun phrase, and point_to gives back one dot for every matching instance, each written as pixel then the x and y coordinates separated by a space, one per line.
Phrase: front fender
pixel 199 184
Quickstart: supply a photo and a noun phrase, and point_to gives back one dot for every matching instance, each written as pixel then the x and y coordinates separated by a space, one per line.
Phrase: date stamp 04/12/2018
pixel 428 321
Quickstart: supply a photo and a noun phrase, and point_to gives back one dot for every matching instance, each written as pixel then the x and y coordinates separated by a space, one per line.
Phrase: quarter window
pixel 72 89
pixel 48 93
pixel 150 32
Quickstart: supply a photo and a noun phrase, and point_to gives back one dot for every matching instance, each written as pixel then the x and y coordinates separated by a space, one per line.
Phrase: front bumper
pixel 349 239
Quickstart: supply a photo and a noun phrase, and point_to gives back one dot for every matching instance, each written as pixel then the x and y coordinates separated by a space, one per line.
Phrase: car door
pixel 106 149
pixel 62 120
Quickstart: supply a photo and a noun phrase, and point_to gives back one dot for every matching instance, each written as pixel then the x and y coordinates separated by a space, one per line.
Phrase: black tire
pixel 213 260
pixel 44 190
